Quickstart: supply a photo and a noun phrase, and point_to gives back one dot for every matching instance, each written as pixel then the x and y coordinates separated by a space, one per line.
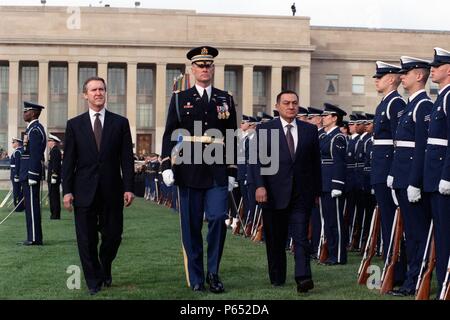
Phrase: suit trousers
pixel 18 195
pixel 276 224
pixel 106 218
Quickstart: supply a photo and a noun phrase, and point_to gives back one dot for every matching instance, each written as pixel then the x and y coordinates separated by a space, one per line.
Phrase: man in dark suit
pixel 98 180
pixel 200 117
pixel 288 195
pixel 54 176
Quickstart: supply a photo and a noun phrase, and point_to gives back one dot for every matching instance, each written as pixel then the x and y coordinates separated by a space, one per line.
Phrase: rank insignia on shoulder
pixel 177 91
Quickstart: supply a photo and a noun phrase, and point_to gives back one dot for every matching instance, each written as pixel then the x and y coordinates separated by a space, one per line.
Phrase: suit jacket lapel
pixel 89 132
pixel 106 130
pixel 300 134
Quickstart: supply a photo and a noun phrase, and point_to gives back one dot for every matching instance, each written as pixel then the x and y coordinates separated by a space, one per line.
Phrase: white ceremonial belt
pixel 437 142
pixel 383 142
pixel 203 139
pixel 405 144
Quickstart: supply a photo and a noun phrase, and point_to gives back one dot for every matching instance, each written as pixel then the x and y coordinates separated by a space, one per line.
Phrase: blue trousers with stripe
pixel 32 211
pixel 194 203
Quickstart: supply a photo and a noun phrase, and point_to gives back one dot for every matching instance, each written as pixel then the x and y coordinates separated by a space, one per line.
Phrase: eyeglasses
pixel 204 65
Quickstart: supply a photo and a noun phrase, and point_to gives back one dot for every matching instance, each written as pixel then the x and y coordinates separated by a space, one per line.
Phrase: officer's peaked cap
pixel 204 53
pixel 383 68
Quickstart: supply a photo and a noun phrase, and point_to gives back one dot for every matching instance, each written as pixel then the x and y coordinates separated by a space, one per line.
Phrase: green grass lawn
pixel 149 264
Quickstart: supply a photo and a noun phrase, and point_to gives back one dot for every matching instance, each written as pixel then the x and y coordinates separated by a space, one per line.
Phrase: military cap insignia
pixel 204 51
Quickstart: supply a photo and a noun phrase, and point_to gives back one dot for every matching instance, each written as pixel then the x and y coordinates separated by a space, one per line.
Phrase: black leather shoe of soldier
pixel 401 293
pixel 198 287
pixel 107 282
pixel 31 243
pixel 304 286
pixel 215 285
pixel 94 290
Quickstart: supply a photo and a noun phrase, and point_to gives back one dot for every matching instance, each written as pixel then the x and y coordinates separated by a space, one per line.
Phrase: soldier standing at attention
pixel 436 178
pixel 14 176
pixel 387 113
pixel 54 176
pixel 202 187
pixel 31 169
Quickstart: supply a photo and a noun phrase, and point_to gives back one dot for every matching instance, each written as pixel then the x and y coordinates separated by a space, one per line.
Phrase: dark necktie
pixel 205 98
pixel 98 130
pixel 290 141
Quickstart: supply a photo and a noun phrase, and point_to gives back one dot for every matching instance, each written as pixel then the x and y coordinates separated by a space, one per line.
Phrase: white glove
pixel 444 187
pixel 168 177
pixel 390 181
pixel 16 179
pixel 32 182
pixel 231 181
pixel 53 180
pixel 336 193
pixel 372 191
pixel 413 194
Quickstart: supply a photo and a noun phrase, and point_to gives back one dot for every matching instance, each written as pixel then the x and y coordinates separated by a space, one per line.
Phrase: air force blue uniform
pixel 333 149
pixel 14 177
pixel 387 114
pixel 437 168
pixel 31 169
pixel 407 169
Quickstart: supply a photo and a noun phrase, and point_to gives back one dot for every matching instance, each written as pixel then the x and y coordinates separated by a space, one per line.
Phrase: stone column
pixel 160 102
pixel 131 99
pixel 43 92
pixel 73 95
pixel 304 88
pixel 102 71
pixel 275 86
pixel 13 103
pixel 219 76
pixel 247 90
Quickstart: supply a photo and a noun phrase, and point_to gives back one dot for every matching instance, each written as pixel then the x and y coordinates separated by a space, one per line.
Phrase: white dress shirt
pixel 201 89
pixel 92 114
pixel 294 130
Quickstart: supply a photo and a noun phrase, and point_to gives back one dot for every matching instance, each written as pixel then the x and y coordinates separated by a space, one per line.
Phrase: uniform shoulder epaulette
pixel 230 93
pixel 177 91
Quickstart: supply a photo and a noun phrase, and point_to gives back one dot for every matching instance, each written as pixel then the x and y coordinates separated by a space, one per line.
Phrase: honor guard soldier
pixel 315 117
pixel 387 80
pixel 14 174
pixel 242 164
pixel 351 185
pixel 202 187
pixel 436 182
pixel 407 167
pixel 302 114
pixel 54 176
pixel 333 146
pixel 31 171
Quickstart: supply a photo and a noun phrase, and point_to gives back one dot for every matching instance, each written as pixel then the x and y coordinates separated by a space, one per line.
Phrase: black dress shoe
pixel 215 285
pixel 401 293
pixel 94 290
pixel 198 287
pixel 31 243
pixel 277 284
pixel 305 285
pixel 107 282
pixel 328 263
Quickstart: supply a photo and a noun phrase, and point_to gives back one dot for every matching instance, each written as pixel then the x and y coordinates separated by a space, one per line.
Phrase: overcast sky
pixel 398 14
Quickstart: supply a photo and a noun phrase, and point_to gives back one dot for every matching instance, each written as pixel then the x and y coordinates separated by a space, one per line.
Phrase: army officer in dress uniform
pixel 203 188
pixel 31 169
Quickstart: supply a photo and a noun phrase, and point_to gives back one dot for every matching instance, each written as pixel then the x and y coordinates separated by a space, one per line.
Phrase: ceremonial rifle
pixel 428 263
pixel 371 247
pixel 445 292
